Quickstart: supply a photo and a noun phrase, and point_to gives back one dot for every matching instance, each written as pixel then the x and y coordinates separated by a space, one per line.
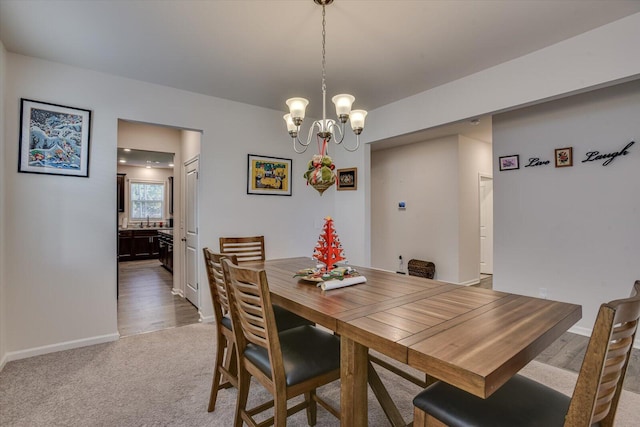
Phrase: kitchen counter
pixel 146 228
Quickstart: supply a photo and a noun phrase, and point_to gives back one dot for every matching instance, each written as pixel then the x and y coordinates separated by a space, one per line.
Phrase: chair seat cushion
pixel 226 322
pixel 287 320
pixel 307 352
pixel 519 402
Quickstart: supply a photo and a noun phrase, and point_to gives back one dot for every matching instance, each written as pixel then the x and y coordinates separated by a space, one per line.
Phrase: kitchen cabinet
pixel 138 244
pixel 166 249
pixel 145 244
pixel 124 246
pixel 120 191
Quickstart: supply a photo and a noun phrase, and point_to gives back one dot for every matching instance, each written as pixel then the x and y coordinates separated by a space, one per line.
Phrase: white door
pixel 191 232
pixel 486 225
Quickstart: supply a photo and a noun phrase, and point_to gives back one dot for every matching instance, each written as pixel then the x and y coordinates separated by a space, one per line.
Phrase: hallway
pixel 145 303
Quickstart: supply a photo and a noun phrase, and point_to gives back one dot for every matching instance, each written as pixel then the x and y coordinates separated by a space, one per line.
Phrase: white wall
pixel 438 180
pixel 61 271
pixel 351 223
pixel 425 176
pixel 190 144
pixel 575 230
pixel 474 158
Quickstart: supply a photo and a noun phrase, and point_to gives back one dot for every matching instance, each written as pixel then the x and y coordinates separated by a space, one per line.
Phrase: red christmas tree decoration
pixel 328 250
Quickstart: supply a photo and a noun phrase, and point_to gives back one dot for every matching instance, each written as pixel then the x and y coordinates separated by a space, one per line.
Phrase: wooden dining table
pixel 473 338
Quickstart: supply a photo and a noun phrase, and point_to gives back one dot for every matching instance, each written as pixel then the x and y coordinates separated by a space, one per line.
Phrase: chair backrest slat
pixel 597 392
pixel 247 249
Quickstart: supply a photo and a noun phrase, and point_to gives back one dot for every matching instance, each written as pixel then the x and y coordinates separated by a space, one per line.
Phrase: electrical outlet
pixel 542 292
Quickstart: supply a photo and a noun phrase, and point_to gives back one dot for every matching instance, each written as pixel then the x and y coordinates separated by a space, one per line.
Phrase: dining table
pixel 472 338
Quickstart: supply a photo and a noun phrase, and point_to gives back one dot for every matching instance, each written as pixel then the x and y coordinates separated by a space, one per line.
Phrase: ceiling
pixel 263 52
pixel 142 158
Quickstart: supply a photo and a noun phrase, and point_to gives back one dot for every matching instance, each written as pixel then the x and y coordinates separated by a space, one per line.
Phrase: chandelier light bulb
pixel 357 120
pixel 297 107
pixel 343 104
pixel 291 127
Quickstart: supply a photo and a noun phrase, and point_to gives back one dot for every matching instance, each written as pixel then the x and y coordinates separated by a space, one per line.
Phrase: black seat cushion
pixel 287 320
pixel 226 322
pixel 306 352
pixel 284 319
pixel 519 402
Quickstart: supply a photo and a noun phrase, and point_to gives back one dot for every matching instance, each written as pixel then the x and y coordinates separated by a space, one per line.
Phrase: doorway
pixel 151 285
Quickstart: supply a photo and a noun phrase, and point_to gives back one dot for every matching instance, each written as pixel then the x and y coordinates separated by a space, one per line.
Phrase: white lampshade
pixel 291 127
pixel 343 103
pixel 297 107
pixel 357 119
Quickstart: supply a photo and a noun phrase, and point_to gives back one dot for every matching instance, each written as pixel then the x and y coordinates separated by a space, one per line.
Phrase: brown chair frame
pixel 246 249
pixel 599 385
pixel 254 323
pixel 225 364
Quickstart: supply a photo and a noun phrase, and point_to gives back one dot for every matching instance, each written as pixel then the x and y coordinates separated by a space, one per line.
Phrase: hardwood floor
pixel 568 351
pixel 145 302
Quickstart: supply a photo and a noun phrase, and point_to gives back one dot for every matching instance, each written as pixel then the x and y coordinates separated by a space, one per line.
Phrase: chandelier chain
pixel 324 61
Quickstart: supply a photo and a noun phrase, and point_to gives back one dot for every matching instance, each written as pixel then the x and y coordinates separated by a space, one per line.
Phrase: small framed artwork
pixel 54 139
pixel 564 157
pixel 508 163
pixel 347 179
pixel 269 175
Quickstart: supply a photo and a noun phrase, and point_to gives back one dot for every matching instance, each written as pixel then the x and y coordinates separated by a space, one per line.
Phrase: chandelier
pixel 327 129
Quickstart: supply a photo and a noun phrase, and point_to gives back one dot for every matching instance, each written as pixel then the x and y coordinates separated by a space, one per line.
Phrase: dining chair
pixel 287 363
pixel 525 402
pixel 247 249
pixel 225 370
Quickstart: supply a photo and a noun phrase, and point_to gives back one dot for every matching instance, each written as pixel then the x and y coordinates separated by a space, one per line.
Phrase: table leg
pixel 388 406
pixel 354 359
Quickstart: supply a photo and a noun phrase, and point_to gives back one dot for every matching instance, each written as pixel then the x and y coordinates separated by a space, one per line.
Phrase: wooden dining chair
pixel 246 249
pixel 225 370
pixel 525 402
pixel 287 363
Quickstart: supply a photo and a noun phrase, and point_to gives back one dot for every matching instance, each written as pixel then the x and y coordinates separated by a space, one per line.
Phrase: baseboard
pixel 580 331
pixel 178 292
pixel 467 283
pixel 3 361
pixel 67 345
pixel 206 319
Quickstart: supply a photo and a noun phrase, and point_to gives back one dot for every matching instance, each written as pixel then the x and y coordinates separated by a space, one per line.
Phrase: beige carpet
pixel 163 379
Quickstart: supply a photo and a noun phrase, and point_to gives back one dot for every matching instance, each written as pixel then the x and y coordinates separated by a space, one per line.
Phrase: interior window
pixel 146 200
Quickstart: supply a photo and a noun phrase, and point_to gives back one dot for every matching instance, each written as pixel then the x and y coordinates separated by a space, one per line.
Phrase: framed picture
pixel 564 157
pixel 54 139
pixel 269 175
pixel 508 163
pixel 347 179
